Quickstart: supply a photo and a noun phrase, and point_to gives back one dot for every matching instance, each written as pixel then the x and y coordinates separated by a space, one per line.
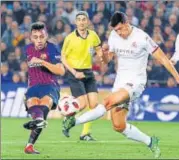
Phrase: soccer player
pixel 43 91
pixel 77 53
pixel 132 47
pixel 175 57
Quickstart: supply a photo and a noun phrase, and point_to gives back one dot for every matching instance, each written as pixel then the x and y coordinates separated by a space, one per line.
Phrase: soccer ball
pixel 68 106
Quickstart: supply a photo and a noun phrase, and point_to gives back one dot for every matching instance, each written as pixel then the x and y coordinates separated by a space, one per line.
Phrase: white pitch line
pixel 56 142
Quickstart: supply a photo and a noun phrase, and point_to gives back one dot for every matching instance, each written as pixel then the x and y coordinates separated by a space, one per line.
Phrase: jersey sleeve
pixel 151 46
pixel 55 55
pixel 65 45
pixel 111 43
pixel 97 41
pixel 175 56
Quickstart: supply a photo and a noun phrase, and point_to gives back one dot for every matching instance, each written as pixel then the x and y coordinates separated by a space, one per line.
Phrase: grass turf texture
pixel 110 145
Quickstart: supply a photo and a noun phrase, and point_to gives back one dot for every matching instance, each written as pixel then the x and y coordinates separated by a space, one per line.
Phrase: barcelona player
pixel 42 95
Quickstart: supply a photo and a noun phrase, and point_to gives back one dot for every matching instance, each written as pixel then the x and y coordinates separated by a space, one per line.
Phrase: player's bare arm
pixel 57 69
pixel 162 58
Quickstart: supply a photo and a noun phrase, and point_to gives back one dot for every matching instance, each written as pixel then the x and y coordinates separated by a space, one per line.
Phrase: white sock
pixel 134 133
pixel 28 144
pixel 91 115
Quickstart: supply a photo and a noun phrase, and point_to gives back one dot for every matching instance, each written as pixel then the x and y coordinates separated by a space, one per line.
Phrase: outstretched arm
pixel 162 58
pixel 54 68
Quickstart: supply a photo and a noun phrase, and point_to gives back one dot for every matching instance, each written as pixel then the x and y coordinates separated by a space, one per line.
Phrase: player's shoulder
pixel 113 34
pixel 28 46
pixel 52 46
pixel 139 31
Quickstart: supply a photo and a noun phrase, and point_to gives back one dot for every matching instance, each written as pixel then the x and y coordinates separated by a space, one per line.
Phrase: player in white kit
pixel 132 47
pixel 175 57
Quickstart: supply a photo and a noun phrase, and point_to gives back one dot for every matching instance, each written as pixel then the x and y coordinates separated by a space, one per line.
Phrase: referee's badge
pixel 91 50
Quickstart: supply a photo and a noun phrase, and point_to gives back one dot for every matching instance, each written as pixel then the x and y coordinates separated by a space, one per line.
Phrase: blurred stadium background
pixel 160 19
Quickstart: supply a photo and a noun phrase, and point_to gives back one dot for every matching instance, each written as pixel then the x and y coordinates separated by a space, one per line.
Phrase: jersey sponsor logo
pixel 33 65
pixel 43 56
pixel 125 52
pixel 91 50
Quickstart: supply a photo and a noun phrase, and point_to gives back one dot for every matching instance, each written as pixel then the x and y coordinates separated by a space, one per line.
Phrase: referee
pixel 77 53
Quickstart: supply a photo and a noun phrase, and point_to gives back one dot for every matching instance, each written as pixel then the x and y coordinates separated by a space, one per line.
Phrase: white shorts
pixel 134 90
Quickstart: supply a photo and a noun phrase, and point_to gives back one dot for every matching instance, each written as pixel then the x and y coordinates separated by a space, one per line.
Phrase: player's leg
pixel 119 120
pixel 48 97
pixel 92 95
pixel 86 132
pixel 37 116
pixel 119 116
pixel 78 90
pixel 117 97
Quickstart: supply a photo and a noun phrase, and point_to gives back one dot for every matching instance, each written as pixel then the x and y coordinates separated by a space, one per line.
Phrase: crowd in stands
pixel 159 19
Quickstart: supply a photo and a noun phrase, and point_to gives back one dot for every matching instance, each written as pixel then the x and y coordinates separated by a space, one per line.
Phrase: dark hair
pixel 84 13
pixel 118 17
pixel 37 26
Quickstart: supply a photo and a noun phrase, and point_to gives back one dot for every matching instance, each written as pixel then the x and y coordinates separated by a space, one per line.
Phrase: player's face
pixel 82 22
pixel 39 38
pixel 123 30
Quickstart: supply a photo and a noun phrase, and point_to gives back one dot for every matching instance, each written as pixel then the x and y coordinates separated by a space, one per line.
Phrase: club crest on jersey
pixel 134 44
pixel 43 56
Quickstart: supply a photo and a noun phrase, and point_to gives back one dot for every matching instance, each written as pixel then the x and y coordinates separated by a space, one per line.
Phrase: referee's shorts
pixel 83 86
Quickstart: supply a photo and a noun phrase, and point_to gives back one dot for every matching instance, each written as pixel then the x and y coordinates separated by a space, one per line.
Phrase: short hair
pixel 82 13
pixel 118 17
pixel 37 26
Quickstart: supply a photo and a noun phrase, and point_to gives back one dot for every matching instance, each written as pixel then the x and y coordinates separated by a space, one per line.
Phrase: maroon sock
pixel 36 112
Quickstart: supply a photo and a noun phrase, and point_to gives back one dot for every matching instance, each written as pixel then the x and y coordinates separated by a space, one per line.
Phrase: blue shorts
pixel 40 91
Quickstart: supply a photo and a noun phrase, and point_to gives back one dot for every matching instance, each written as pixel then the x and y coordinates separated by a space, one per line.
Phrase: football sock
pixel 91 115
pixel 86 126
pixel 45 110
pixel 134 133
pixel 36 112
pixel 34 135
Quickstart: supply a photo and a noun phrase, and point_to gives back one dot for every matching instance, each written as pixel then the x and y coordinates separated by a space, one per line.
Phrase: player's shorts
pixel 134 90
pixel 40 91
pixel 83 86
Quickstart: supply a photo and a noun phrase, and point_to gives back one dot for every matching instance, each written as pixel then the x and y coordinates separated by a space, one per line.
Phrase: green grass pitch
pixel 110 145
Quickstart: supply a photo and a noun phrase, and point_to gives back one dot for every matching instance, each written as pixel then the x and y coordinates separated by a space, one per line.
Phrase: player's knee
pixel 46 101
pixel 83 104
pixel 32 102
pixel 119 127
pixel 93 105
